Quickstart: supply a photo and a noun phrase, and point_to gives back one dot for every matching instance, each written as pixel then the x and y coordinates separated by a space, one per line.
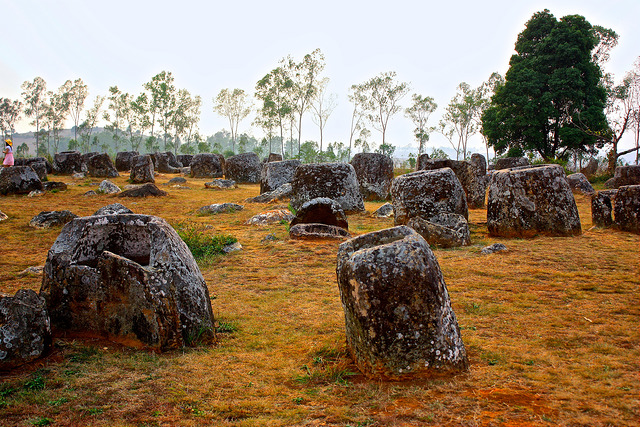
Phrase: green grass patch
pixel 203 247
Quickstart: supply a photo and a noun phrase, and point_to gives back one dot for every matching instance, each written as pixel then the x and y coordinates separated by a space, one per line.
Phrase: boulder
pixel 274 157
pixel 420 162
pixel 279 194
pixel 336 181
pixel 243 168
pixel 446 230
pixel 627 175
pixel 610 183
pixel 217 208
pixel 25 332
pixel 276 173
pixel 184 159
pixel 141 170
pixel 591 168
pixel 221 184
pixel 602 208
pixel 28 161
pixel 580 184
pixel 532 200
pixel 144 190
pixel 511 162
pixel 87 156
pixel 384 211
pixel 375 175
pixel 124 160
pixel 398 316
pixel 90 193
pixel 68 163
pixel 312 231
pixel 166 163
pixel 40 168
pixel 18 180
pixel 321 210
pixel 274 216
pixel 473 183
pixel 492 249
pixel 113 209
pixel 129 278
pixel 177 180
pixel 48 219
pixel 108 187
pixel 206 165
pixel 426 193
pixel 101 166
pixel 479 164
pixel 54 185
pixel 627 208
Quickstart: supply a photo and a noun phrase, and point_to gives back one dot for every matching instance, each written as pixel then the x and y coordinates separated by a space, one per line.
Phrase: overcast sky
pixel 208 46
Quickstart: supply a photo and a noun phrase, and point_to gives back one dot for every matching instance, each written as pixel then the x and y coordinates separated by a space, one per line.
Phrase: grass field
pixel 551 328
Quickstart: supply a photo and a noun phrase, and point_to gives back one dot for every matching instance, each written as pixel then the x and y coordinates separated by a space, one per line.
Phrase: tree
pixel 120 106
pixel 304 84
pixel 358 98
pixel 276 106
pixel 161 102
pixel 419 114
pixel 57 113
pixel 457 123
pixel 186 116
pixel 552 84
pixel 381 96
pixel 9 114
pixel 34 94
pixel 234 105
pixel 483 96
pixel 322 105
pixel 138 120
pixel 78 93
pixel 90 122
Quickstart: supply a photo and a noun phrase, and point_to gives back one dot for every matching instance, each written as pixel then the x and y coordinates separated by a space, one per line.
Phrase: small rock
pixel 217 208
pixel 274 216
pixel 144 190
pixel 180 187
pixel 269 238
pixel 232 247
pixel 491 249
pixel 48 219
pixel 281 193
pixel 79 175
pixel 384 211
pixel 36 193
pixel 3 216
pixel 108 187
pixel 177 180
pixel 90 193
pixel 221 184
pixel 54 185
pixel 34 270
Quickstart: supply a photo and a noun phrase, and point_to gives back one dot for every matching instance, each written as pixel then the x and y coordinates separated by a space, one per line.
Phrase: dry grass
pixel 551 327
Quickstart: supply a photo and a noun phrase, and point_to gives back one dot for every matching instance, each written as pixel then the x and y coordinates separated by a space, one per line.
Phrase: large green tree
pixel 552 91
pixel 35 98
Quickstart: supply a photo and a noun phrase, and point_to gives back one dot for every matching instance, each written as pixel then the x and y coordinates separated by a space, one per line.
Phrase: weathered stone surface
pixel 473 183
pixel 144 190
pixel 101 166
pixel 18 180
pixel 610 183
pixel 3 216
pixel 398 316
pixel 312 231
pixel 492 249
pixel 124 160
pixel 217 208
pixel 206 165
pixel 580 184
pixel 90 193
pixel 141 170
pixel 384 211
pixel 420 162
pixel 221 184
pixel 166 162
pixel 602 208
pixel 108 187
pixel 54 185
pixel 375 175
pixel 321 210
pixel 590 169
pixel 79 175
pixel 426 193
pixel 510 162
pixel 526 201
pixel 86 157
pixel 68 163
pixel 129 278
pixel 184 159
pixel 25 329
pixel 34 270
pixel 28 161
pixel 336 181
pixel 627 175
pixel 279 194
pixel 274 157
pixel 479 164
pixel 48 219
pixel 177 180
pixel 446 230
pixel 113 209
pixel 276 173
pixel 40 168
pixel 36 193
pixel 243 168
pixel 274 216
pixel 627 208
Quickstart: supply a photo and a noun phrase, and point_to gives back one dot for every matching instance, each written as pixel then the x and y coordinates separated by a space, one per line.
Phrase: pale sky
pixel 208 46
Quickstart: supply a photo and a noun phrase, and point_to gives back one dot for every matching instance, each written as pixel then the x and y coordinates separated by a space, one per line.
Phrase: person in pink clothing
pixel 8 153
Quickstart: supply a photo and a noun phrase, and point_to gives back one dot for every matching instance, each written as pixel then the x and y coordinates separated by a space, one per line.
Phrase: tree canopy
pixel 552 91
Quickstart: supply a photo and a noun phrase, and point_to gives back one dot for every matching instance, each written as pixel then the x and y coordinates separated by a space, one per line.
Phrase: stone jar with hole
pixel 398 316
pixel 128 278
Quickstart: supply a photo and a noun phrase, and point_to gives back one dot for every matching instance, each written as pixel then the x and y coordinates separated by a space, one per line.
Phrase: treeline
pixel 555 102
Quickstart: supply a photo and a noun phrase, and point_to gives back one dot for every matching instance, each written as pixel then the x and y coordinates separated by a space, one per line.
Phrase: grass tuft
pixel 203 247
